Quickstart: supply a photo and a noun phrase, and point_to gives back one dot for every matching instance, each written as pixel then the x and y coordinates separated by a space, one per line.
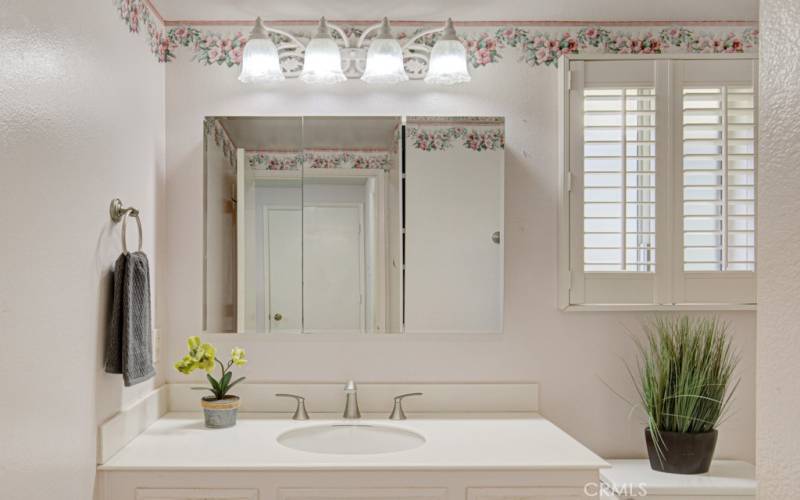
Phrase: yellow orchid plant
pixel 203 356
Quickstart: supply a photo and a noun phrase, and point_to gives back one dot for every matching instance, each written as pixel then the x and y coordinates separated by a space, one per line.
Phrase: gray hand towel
pixel 129 347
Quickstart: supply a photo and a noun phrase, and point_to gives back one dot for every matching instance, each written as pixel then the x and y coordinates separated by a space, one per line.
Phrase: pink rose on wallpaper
pixel 591 33
pixel 571 46
pixel 484 57
pixel 226 44
pixel 134 18
pixel 242 39
pixel 490 43
pixel 236 55
pixel 542 54
pixel 211 41
pixel 552 44
pixel 736 45
pixel 508 33
pixel 718 45
pixel 472 44
pixel 214 55
pixel 163 48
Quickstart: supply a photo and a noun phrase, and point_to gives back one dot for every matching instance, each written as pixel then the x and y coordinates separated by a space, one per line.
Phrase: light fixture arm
pixel 286 34
pixel 341 33
pixel 419 35
pixel 366 32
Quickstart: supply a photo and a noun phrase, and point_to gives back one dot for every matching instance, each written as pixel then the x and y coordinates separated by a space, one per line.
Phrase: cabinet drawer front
pixel 195 494
pixel 363 494
pixel 525 494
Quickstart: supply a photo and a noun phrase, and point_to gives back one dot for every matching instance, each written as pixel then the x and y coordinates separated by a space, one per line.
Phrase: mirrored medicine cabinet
pixel 373 225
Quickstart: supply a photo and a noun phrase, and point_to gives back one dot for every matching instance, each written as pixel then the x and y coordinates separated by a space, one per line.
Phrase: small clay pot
pixel 220 413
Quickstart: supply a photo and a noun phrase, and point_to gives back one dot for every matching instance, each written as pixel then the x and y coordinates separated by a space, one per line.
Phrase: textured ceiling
pixel 461 10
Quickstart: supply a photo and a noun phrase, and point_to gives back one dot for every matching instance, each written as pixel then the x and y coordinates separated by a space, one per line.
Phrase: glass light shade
pixel 260 60
pixel 448 63
pixel 323 60
pixel 385 59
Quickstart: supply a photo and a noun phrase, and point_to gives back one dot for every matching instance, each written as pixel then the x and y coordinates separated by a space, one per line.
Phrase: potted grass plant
pixel 219 408
pixel 685 383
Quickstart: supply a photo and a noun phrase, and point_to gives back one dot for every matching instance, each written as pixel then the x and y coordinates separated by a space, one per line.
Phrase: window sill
pixel 657 307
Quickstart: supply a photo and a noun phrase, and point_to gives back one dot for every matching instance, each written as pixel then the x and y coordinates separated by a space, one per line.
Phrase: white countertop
pixel 179 441
pixel 726 477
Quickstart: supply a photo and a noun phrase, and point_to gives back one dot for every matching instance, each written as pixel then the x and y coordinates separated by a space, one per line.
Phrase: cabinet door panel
pixel 363 494
pixel 525 494
pixel 195 494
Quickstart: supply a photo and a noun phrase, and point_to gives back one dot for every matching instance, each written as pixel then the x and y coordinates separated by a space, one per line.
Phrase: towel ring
pixel 135 214
pixel 119 213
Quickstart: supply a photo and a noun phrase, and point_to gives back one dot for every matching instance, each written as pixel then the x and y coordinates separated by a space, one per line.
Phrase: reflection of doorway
pixel 334 267
pixel 283 269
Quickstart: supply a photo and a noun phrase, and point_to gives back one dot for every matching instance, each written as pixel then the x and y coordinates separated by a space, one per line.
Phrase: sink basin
pixel 351 439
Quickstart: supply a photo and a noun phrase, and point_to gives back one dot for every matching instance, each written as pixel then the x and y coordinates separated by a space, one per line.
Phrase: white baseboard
pixel 329 398
pixel 123 427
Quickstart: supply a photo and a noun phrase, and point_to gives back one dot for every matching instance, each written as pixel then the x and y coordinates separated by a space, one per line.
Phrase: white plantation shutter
pixel 661 181
pixel 619 217
pixel 614 157
pixel 715 117
pixel 718 179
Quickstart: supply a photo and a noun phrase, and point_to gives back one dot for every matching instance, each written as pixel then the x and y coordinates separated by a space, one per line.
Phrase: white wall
pixel 778 401
pixel 81 122
pixel 570 354
pixel 220 240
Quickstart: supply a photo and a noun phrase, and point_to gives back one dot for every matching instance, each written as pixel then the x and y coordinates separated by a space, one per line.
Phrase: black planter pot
pixel 683 453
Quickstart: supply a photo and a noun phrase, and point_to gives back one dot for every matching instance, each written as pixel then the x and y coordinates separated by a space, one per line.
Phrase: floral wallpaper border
pixel 431 139
pixel 294 160
pixel 215 130
pixel 140 17
pixel 486 45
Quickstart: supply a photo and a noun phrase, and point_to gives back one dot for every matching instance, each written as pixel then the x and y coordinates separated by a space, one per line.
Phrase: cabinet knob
pixel 278 317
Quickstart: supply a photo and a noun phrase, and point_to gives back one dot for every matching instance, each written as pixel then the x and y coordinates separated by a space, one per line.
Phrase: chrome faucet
pixel 351 410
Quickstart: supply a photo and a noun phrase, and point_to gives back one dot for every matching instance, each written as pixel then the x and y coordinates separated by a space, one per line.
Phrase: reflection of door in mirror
pixel 351 230
pixel 281 241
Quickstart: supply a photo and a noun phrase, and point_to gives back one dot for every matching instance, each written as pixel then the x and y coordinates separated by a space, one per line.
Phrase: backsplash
pixel 535 43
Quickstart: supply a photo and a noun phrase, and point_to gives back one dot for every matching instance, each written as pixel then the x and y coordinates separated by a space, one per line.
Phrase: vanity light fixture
pixel 448 63
pixel 260 61
pixel 381 59
pixel 385 58
pixel 323 60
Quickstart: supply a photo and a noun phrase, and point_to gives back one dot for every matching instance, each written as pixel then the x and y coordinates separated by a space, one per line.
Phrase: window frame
pixel 669 235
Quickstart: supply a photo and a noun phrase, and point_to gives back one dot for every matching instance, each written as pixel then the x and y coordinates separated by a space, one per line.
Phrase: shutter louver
pixel 719 178
pixel 619 173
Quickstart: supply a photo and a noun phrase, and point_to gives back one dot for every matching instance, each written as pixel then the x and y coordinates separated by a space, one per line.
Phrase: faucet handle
pixel 300 412
pixel 397 410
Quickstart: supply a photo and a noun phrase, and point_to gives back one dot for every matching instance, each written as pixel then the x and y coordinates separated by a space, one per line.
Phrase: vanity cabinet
pixel 347 485
pixel 525 494
pixel 364 494
pixel 194 494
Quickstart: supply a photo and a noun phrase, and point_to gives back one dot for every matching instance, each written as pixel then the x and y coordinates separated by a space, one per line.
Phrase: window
pixel 660 177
